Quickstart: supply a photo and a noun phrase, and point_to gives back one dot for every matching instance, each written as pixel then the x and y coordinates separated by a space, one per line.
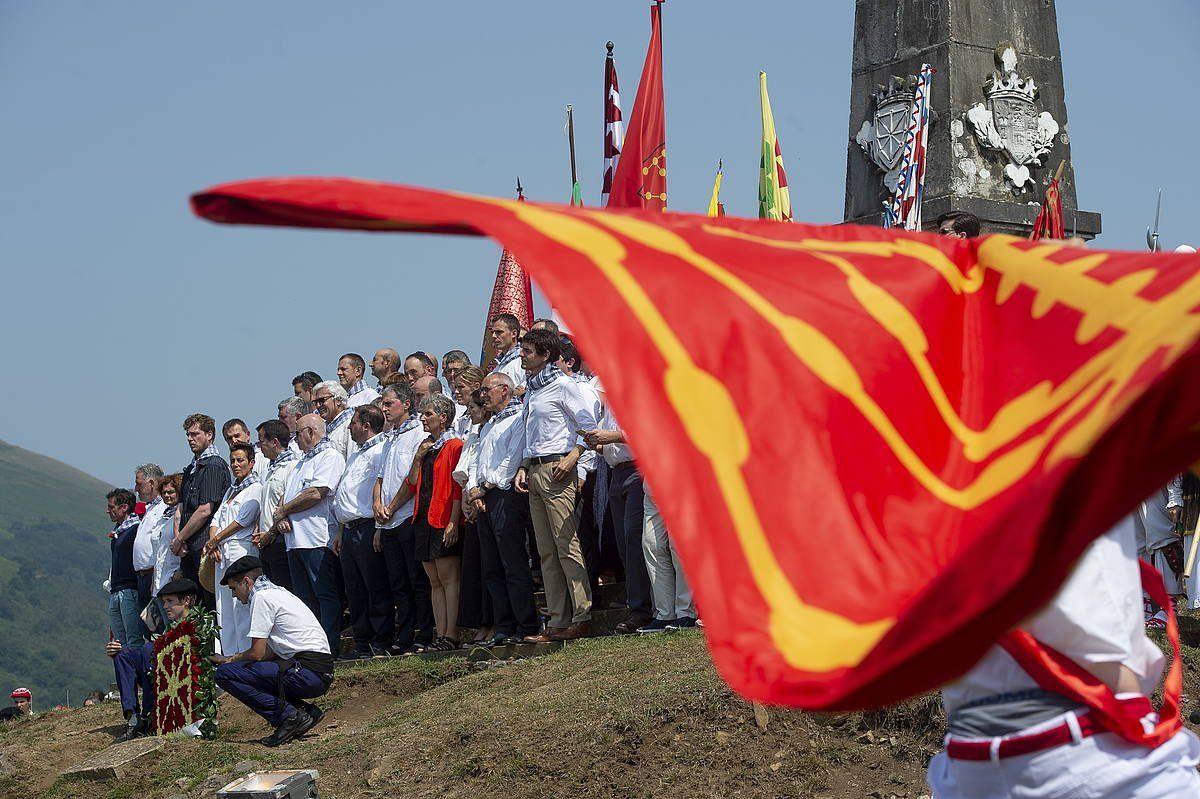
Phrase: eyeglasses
pixel 322 400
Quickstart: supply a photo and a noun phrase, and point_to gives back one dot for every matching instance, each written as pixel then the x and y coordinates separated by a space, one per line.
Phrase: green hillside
pixel 53 557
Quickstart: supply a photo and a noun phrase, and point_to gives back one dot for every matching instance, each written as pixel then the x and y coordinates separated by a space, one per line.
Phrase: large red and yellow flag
pixel 641 177
pixel 876 450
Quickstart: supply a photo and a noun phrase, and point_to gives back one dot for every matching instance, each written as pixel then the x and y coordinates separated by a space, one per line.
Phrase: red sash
pixel 1056 672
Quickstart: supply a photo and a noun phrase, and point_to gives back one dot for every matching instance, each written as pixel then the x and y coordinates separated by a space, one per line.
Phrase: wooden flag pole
pixel 1191 558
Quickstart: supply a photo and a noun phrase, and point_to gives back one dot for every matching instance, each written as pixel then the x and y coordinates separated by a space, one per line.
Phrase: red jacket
pixel 446 491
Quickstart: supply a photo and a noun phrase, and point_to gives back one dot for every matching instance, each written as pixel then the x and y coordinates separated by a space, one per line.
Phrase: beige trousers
pixel 556 528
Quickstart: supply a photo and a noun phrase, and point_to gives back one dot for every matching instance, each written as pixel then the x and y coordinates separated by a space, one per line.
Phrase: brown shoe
pixel 581 630
pixel 540 638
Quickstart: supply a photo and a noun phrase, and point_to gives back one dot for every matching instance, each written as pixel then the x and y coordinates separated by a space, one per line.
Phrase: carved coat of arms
pixel 1009 122
pixel 882 137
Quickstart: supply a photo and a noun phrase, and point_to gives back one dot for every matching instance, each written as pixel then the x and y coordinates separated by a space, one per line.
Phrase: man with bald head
pixel 424 386
pixel 386 362
pixel 305 519
pixel 350 371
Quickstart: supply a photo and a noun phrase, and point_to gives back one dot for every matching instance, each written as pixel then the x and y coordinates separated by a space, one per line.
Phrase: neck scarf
pixel 283 457
pixel 357 387
pixel 408 424
pixel 211 452
pixel 511 409
pixel 507 358
pixel 378 438
pixel 339 420
pixel 130 521
pixel 321 446
pixel 543 378
pixel 236 488
pixel 154 503
pixel 442 439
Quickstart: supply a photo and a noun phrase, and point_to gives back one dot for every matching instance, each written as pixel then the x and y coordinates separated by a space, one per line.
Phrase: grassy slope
pixel 53 556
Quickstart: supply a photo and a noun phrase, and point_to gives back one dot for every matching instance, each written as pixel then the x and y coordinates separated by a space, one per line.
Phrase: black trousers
pixel 410 587
pixel 625 497
pixel 506 561
pixel 474 599
pixel 275 563
pixel 368 592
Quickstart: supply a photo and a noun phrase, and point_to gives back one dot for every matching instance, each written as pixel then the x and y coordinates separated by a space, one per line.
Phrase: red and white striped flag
pixel 612 125
pixel 904 208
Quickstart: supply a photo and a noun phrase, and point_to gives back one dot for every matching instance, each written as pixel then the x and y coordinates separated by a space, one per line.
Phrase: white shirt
pixel 1154 527
pixel 466 461
pixel 397 460
pixel 273 488
pixel 355 495
pixel 243 508
pixel 310 528
pixel 284 620
pixel 501 447
pixel 554 418
pixel 166 562
pixel 462 425
pixel 614 454
pixel 591 395
pixel 143 544
pixel 261 464
pixel 338 433
pixel 1096 618
pixel 362 394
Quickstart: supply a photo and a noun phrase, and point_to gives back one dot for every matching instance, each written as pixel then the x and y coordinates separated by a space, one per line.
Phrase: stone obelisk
pixel 999 120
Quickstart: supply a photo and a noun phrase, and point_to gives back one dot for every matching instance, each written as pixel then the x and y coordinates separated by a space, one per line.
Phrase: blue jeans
pixel 314 581
pixel 254 684
pixel 135 670
pixel 124 617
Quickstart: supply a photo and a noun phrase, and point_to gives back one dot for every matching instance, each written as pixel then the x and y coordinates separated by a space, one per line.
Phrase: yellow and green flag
pixel 773 199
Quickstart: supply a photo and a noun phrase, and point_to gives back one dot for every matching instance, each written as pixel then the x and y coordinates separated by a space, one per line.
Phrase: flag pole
pixel 571 139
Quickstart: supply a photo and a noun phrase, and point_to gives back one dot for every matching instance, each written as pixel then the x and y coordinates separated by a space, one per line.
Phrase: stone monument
pixel 999 120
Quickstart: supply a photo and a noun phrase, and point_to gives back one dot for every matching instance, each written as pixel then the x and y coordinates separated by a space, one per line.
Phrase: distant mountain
pixel 53 558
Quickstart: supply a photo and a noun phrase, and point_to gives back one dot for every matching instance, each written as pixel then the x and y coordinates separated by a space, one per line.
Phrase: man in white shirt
pixel 393 519
pixel 372 613
pixel 454 362
pixel 145 485
pixel 503 514
pixel 385 363
pixel 556 414
pixel 229 538
pixel 330 399
pixel 290 411
pixel 505 332
pixel 235 431
pixel 273 436
pixel 1010 735
pixel 305 518
pixel 350 370
pixel 289 661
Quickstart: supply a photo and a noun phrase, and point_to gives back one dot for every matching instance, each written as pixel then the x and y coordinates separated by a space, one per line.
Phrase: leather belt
pixel 1072 729
pixel 540 459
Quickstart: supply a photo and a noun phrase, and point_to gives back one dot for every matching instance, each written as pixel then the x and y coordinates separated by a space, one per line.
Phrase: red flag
pixel 511 293
pixel 1049 223
pixel 641 177
pixel 937 427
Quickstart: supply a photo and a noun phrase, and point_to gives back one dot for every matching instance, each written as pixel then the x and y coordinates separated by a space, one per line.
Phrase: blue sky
pixel 116 112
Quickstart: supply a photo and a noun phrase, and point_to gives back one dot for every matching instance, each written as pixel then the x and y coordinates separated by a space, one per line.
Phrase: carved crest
pixel 1009 122
pixel 882 137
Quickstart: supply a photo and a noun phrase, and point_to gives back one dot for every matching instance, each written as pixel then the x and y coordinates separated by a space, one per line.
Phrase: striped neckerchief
pixel 408 424
pixel 356 388
pixel 153 503
pixel 378 438
pixel 211 452
pixel 511 409
pixel 285 456
pixel 130 521
pixel 579 377
pixel 507 358
pixel 237 487
pixel 321 446
pixel 442 439
pixel 543 378
pixel 261 583
pixel 339 420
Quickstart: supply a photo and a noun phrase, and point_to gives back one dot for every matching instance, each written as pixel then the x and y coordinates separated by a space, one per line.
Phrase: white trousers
pixel 233 616
pixel 672 594
pixel 1100 767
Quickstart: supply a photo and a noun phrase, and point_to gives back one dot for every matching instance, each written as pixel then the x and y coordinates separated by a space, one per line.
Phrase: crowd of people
pixel 434 499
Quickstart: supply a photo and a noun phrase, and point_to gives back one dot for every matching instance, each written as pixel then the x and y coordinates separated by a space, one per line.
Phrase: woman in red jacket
pixel 437 512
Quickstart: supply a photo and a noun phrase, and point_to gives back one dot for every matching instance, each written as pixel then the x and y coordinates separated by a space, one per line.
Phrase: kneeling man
pixel 288 661
pixel 135 664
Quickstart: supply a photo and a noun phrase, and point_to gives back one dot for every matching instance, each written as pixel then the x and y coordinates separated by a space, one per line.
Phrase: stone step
pixel 114 762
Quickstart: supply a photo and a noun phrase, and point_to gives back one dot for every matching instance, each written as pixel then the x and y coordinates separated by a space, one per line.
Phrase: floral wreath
pixel 185 686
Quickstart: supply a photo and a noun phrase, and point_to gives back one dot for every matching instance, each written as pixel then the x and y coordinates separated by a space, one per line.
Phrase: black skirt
pixel 428 543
